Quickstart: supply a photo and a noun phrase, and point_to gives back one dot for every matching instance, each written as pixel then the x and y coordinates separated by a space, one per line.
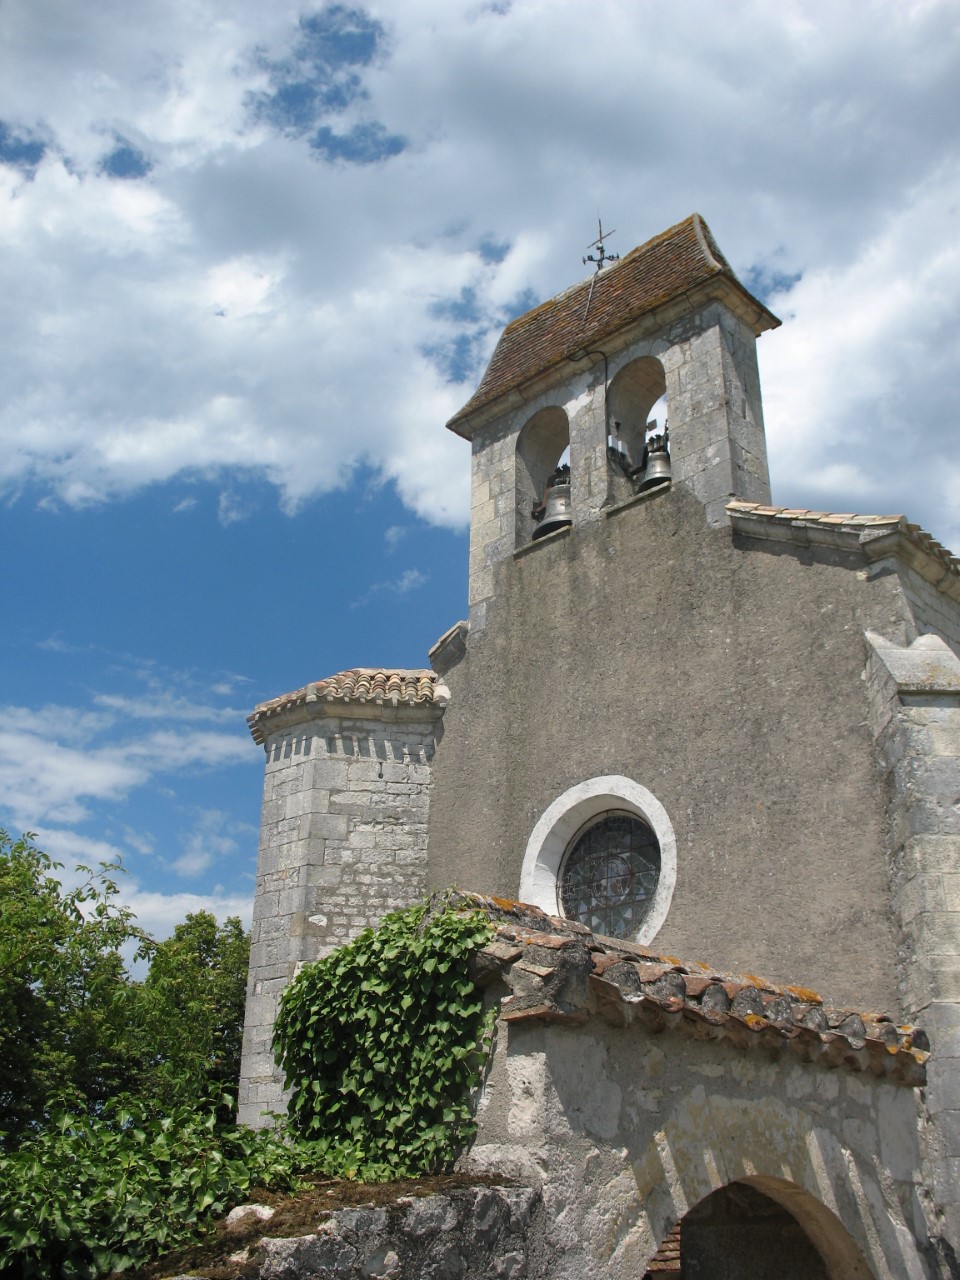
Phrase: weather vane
pixel 602 255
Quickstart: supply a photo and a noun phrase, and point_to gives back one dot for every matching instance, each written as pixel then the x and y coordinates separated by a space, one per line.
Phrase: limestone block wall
pixel 915 695
pixel 343 841
pixel 933 608
pixel 717 441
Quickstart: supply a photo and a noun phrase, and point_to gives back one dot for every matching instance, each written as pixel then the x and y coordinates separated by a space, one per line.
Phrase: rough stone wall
pixel 629 1130
pixel 726 678
pixel 717 442
pixel 474 1233
pixel 716 434
pixel 343 840
pixel 915 695
pixel 933 611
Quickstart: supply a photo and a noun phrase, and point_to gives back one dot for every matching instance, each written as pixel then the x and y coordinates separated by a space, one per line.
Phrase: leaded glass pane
pixel 610 875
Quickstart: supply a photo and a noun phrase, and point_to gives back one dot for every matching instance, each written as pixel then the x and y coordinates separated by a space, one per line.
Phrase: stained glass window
pixel 610 875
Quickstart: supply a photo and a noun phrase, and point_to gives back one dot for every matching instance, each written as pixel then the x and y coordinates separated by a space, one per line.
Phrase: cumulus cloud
pixel 40 774
pixel 58 761
pixel 158 913
pixel 283 240
pixel 212 838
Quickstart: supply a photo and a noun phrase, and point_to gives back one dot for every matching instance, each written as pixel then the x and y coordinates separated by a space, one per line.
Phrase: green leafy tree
pixel 191 1008
pixel 65 996
pixel 76 1030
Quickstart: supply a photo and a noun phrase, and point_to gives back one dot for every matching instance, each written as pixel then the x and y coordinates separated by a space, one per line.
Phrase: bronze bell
pixel 658 470
pixel 655 468
pixel 556 512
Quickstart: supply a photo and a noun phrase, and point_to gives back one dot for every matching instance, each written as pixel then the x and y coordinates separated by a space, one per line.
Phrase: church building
pixel 703 738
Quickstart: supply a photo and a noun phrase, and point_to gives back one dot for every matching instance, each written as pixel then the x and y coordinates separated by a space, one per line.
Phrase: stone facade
pixel 343 841
pixel 774 694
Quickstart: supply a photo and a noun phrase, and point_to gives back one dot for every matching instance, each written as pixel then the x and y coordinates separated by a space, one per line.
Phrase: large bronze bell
pixel 556 511
pixel 655 468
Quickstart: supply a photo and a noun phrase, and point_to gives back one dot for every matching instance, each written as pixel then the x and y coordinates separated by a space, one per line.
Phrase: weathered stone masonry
pixel 343 834
pixel 915 696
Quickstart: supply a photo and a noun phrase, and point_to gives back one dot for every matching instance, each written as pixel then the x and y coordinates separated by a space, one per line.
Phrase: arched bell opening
pixel 759 1229
pixel 542 499
pixel 637 410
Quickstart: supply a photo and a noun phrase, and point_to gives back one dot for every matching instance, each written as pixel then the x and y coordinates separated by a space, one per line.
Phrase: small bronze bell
pixel 655 467
pixel 556 510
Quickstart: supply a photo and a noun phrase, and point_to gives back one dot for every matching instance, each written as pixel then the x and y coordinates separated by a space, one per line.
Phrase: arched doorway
pixel 759 1229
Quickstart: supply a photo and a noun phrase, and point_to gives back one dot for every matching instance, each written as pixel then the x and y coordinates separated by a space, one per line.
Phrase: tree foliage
pixel 116 1140
pixel 64 990
pixel 191 1005
pixel 77 1030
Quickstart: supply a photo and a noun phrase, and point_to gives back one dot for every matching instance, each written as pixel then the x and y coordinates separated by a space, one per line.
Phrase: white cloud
pixel 40 776
pixel 169 707
pixel 156 912
pixel 409 580
pixel 71 849
pixel 160 913
pixel 56 761
pixel 213 838
pixel 247 305
pixel 843 406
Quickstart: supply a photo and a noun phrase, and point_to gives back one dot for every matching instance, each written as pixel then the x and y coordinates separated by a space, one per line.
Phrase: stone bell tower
pixel 582 372
pixel 683 658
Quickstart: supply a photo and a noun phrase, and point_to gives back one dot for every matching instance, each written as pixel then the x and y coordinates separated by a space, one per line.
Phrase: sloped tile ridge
pixel 751 517
pixel 379 686
pixel 672 265
pixel 557 971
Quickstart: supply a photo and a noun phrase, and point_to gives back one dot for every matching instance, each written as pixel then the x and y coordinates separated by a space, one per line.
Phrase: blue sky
pixel 255 257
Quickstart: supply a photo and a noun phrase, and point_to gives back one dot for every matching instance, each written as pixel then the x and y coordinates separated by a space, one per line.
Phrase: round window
pixel 610 874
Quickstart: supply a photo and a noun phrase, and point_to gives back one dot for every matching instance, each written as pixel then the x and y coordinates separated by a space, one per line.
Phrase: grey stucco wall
pixel 726 678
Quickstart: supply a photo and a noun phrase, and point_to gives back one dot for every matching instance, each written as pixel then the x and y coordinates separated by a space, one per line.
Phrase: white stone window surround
pixel 566 817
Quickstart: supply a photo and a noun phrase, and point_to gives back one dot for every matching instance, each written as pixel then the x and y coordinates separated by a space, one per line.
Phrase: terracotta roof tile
pixel 681 259
pixel 624 983
pixel 377 685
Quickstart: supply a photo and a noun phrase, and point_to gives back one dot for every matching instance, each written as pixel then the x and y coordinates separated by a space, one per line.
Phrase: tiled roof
pixel 558 971
pixel 681 259
pixel 798 524
pixel 360 685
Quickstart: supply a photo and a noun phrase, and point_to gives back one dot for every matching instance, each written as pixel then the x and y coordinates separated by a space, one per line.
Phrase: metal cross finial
pixel 602 255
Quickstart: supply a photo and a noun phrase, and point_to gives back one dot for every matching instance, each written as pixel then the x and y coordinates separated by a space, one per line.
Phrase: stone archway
pixel 759 1229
